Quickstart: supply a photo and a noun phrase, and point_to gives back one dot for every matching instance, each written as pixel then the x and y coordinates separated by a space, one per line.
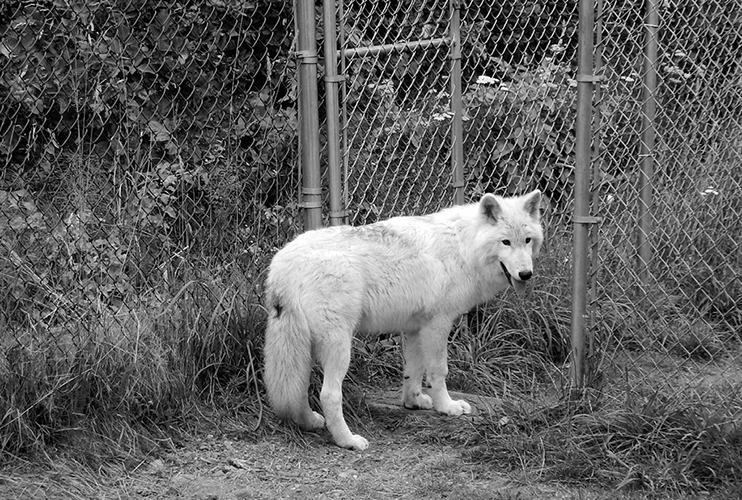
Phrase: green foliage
pixel 141 143
pixel 517 135
pixel 544 23
pixel 135 84
pixel 520 132
pixel 136 367
pixel 54 274
pixel 656 443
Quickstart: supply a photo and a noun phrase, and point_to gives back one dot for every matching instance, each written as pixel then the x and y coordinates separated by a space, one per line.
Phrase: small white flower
pixel 679 53
pixel 709 191
pixel 571 82
pixel 609 199
pixel 442 116
pixel 487 80
pixel 627 79
pixel 557 48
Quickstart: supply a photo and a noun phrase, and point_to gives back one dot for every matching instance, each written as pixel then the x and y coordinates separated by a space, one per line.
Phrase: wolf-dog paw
pixel 313 421
pixel 419 402
pixel 455 407
pixel 354 442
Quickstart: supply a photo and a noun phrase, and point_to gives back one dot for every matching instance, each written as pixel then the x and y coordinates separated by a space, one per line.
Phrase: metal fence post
pixel 338 212
pixel 306 52
pixel 457 108
pixel 597 165
pixel 649 112
pixel 582 219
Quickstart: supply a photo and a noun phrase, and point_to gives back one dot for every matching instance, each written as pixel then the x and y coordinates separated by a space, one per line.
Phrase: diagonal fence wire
pixel 675 322
pixel 149 154
pixel 680 327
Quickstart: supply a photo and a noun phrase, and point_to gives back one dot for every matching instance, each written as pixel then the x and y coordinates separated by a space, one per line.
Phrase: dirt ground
pixel 413 455
pixel 217 468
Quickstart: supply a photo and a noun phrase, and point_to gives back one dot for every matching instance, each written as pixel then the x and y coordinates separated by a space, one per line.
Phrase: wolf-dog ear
pixel 533 204
pixel 490 208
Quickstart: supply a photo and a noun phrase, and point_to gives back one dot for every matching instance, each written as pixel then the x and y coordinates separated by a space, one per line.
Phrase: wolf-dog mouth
pixel 518 285
pixel 507 273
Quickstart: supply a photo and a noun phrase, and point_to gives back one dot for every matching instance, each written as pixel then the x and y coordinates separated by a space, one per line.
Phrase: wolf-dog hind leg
pixel 335 359
pixel 304 416
pixel 310 420
pixel 414 369
pixel 434 343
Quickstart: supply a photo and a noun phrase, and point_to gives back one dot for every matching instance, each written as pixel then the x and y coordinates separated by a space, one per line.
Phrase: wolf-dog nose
pixel 525 275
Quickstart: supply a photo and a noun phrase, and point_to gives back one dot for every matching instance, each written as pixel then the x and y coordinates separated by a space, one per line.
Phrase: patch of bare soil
pixel 412 455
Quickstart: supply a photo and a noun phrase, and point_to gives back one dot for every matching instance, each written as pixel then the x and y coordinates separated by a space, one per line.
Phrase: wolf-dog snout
pixel 525 275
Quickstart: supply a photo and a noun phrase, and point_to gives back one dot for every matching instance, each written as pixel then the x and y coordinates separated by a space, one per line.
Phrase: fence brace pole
pixel 649 113
pixel 581 218
pixel 338 212
pixel 306 53
pixel 596 185
pixel 457 108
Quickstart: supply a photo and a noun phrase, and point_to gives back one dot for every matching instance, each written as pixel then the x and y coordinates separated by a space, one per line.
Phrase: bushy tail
pixel 288 361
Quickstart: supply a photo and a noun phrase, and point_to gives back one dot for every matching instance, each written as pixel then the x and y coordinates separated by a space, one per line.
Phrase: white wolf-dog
pixel 413 275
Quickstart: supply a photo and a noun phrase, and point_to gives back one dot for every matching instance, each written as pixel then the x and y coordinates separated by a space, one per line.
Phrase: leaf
pixel 10 140
pixel 549 103
pixel 159 131
pixel 518 136
pixel 503 148
pixel 18 223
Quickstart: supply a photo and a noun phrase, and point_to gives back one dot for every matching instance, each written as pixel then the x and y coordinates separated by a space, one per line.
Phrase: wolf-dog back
pixel 413 275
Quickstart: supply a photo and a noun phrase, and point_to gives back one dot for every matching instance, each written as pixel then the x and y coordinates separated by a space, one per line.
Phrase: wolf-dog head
pixel 516 233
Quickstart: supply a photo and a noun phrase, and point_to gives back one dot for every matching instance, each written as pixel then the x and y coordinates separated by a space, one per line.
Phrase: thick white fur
pixel 413 275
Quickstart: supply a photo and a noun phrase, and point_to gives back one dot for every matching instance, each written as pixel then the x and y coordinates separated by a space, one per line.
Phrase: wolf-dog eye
pixel 528 240
pixel 506 243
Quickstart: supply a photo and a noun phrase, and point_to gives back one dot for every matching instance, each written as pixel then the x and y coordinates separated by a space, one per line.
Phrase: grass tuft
pixel 116 385
pixel 663 443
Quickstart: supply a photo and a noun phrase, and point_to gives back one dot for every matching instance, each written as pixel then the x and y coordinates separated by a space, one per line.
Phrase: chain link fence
pixel 149 172
pixel 672 324
pixel 148 153
pixel 518 103
pixel 395 107
pixel 675 322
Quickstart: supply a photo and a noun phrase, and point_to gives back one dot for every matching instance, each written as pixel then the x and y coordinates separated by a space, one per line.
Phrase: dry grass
pixel 115 384
pixel 114 388
pixel 657 444
pixel 662 418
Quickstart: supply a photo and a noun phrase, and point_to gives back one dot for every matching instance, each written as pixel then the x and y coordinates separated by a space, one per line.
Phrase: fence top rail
pixel 396 47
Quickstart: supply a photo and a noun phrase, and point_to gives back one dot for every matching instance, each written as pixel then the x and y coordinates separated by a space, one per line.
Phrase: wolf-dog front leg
pixel 414 369
pixel 434 345
pixel 335 358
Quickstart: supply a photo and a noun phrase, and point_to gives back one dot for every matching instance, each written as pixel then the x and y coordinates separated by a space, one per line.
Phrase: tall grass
pixel 664 443
pixel 117 382
pixel 641 423
pixel 123 377
pixel 116 329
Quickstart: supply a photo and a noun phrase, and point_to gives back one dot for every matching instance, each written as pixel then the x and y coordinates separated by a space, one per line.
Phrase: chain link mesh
pixel 397 108
pixel 681 329
pixel 678 329
pixel 150 145
pixel 517 92
pixel 148 153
